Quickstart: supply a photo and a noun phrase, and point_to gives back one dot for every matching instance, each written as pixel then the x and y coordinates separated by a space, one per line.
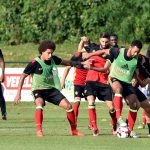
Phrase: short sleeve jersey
pixel 35 67
pixel 80 72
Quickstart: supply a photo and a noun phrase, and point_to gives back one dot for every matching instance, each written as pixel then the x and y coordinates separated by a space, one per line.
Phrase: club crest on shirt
pixel 76 92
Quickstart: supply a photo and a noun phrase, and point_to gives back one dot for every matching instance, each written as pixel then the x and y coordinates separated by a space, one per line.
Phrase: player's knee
pixel 77 101
pixel 68 107
pixel 91 106
pixel 135 106
pixel 39 108
pixel 112 110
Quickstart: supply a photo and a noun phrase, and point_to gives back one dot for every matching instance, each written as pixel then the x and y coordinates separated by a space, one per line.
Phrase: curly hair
pixel 46 44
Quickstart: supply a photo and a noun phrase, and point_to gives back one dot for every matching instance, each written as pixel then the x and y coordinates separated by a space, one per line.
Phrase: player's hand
pixel 85 39
pixel 17 99
pixel 134 82
pixel 107 51
pixel 87 64
pixel 62 85
pixel 85 56
pixel 2 78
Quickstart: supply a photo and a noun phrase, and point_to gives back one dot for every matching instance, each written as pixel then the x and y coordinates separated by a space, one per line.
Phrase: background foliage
pixel 33 20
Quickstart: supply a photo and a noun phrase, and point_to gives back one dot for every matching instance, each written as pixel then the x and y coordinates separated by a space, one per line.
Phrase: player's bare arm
pixel 67 69
pixel 88 65
pixel 103 52
pixel 18 95
pixel 2 65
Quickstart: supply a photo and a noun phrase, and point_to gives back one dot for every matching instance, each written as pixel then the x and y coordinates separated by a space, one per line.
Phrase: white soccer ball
pixel 122 132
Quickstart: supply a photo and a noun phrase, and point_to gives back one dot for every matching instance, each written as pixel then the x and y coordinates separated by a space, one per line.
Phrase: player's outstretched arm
pixel 103 52
pixel 2 65
pixel 18 95
pixel 84 41
pixel 88 65
pixel 67 69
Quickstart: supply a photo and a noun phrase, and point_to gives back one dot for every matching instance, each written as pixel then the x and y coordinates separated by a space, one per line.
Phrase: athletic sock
pixel 92 116
pixel 39 118
pixel 114 119
pixel 71 119
pixel 143 118
pixel 76 109
pixel 148 125
pixel 132 115
pixel 118 105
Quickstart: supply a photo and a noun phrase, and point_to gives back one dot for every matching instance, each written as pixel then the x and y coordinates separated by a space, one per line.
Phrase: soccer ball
pixel 122 132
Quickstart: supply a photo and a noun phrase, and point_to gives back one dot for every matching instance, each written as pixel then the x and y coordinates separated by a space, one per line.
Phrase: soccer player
pixel 44 87
pixel 97 86
pixel 2 99
pixel 80 72
pixel 114 41
pixel 142 78
pixel 148 95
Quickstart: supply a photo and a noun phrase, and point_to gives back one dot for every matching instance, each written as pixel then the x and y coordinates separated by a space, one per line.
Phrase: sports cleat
pixel 4 117
pixel 121 123
pixel 77 133
pixel 148 135
pixel 90 127
pixel 132 134
pixel 96 132
pixel 39 133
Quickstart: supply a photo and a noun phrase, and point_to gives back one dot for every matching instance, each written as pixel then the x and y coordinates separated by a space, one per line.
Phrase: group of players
pixel 102 71
pixel 111 71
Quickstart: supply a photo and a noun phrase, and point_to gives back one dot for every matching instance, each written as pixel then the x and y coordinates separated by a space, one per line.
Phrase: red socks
pixel 132 114
pixel 76 109
pixel 71 119
pixel 92 116
pixel 113 117
pixel 39 119
pixel 118 105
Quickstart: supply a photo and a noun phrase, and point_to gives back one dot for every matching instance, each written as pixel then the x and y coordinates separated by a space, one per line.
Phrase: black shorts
pixel 79 91
pixel 128 89
pixel 141 97
pixel 50 95
pixel 101 91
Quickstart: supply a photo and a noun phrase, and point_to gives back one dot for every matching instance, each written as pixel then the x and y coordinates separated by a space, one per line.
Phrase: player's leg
pixel 117 90
pixel 90 91
pixel 92 115
pixel 78 91
pixel 39 116
pixel 134 105
pixel 65 104
pixel 2 104
pixel 76 106
pixel 143 123
pixel 112 113
pixel 146 107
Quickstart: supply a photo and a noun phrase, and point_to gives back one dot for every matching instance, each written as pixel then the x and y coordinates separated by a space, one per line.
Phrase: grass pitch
pixel 18 132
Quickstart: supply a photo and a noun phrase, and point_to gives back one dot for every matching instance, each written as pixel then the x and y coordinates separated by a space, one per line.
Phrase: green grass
pixel 18 132
pixel 26 52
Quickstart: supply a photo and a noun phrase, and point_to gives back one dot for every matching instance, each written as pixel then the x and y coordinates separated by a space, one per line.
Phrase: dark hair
pixel 137 43
pixel 114 35
pixel 104 35
pixel 46 44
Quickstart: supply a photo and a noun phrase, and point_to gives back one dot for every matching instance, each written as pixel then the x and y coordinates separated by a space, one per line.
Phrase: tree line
pixel 33 20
